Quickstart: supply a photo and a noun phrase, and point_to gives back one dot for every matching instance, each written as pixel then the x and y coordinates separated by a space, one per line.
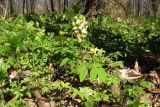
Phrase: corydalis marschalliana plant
pixel 80 26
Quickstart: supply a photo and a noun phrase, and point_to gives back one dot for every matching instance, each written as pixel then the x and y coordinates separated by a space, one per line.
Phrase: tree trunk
pixel 59 5
pixel 52 5
pixel 23 7
pixel 11 6
pixel 88 5
pixel 65 5
pixel 32 6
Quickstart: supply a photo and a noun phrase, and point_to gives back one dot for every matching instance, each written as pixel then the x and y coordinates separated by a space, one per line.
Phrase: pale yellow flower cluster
pixel 62 33
pixel 94 50
pixel 80 26
pixel 97 51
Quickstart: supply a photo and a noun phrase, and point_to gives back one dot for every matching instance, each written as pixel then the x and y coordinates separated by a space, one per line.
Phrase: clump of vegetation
pixel 71 61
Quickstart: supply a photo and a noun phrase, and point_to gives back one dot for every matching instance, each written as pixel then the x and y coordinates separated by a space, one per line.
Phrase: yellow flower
pixel 75 17
pixel 94 50
pixel 80 27
pixel 79 37
pixel 84 31
pixel 64 16
pixel 78 22
pixel 74 28
pixel 62 32
pixel 73 23
pixel 37 37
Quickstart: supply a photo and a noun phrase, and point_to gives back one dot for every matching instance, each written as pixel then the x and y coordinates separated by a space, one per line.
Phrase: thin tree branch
pixel 6 9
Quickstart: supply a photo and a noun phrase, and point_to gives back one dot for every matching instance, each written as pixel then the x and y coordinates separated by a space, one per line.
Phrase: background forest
pixel 79 53
pixel 92 7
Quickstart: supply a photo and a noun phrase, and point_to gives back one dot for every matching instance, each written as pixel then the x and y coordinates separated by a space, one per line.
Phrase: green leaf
pixel 75 93
pixel 82 71
pixel 97 70
pixel 64 61
pixel 81 67
pixel 45 89
pixel 88 104
pixel 83 75
pixel 102 75
pixel 29 94
pixel 4 49
pixel 93 74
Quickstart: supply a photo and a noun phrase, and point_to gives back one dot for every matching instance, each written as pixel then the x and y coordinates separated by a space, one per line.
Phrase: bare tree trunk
pixel 6 9
pixel 11 6
pixel 2 9
pixel 122 3
pixel 47 6
pixel 155 5
pixel 133 7
pixel 59 5
pixel 158 10
pixel 69 3
pixel 52 5
pixel 146 8
pixel 27 6
pixel 124 7
pixel 32 6
pixel 23 7
pixel 64 5
pixel 88 5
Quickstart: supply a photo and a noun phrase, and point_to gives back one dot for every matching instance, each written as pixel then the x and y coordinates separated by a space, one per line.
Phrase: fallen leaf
pixel 155 91
pixel 39 100
pixel 22 74
pixel 50 104
pixel 155 77
pixel 137 67
pixel 129 74
pixel 133 73
pixel 31 103
pixel 25 73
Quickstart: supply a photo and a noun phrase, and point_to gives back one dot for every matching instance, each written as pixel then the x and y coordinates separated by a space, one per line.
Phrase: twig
pixel 6 9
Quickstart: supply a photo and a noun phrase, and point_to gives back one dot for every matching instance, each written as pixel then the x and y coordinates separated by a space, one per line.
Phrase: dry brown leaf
pixel 39 100
pixel 13 74
pixel 25 73
pixel 137 67
pixel 155 77
pixel 155 91
pixel 50 104
pixel 133 73
pixel 129 74
pixel 22 74
pixel 31 103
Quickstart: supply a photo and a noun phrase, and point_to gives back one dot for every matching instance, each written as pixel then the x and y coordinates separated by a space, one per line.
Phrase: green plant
pixel 67 69
pixel 131 36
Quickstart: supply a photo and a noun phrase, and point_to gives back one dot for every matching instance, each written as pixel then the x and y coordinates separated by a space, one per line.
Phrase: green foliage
pixel 137 103
pixel 98 71
pixel 131 36
pixel 14 103
pixel 82 71
pixel 63 68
